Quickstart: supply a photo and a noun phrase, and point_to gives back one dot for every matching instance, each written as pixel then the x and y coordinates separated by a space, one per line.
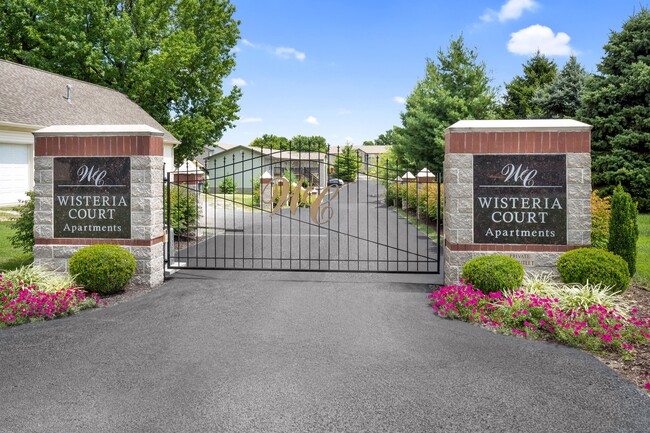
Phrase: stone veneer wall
pixel 468 138
pixel 144 146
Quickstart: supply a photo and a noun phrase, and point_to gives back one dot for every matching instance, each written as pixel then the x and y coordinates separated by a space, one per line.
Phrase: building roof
pixel 373 149
pixel 33 99
pixel 519 125
pixel 98 130
pixel 275 154
pixel 226 146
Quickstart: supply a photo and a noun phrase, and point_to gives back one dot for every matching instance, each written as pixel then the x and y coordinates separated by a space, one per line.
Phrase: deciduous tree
pixel 270 141
pixel 313 143
pixel 169 56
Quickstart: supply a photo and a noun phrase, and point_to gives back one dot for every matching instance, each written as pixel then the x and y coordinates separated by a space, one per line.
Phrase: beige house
pixel 246 164
pixel 31 99
pixel 370 156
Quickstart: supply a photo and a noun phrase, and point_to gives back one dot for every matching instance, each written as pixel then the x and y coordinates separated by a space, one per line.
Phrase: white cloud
pixel 344 112
pixel 239 82
pixel 311 120
pixel 400 100
pixel 488 16
pixel 537 37
pixel 510 10
pixel 250 120
pixel 287 53
pixel 282 52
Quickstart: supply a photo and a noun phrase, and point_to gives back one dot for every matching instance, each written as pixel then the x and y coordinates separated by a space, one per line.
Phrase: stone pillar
pixel 518 187
pixel 99 184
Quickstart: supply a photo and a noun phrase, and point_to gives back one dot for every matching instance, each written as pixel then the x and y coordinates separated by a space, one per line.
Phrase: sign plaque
pixel 92 197
pixel 520 199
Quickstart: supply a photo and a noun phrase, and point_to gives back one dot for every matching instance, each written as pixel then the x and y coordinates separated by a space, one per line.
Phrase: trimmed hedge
pixel 493 273
pixel 595 266
pixel 102 268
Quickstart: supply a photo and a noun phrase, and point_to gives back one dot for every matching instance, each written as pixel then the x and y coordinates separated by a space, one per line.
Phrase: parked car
pixel 337 182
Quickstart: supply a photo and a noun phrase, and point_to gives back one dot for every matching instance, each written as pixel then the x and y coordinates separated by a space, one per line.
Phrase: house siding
pixel 16 148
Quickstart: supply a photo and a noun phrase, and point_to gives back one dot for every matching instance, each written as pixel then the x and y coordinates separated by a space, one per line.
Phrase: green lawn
pixel 430 230
pixel 10 257
pixel 642 276
pixel 231 199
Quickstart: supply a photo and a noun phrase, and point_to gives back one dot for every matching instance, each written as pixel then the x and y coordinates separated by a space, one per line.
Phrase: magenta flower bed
pixel 596 328
pixel 24 304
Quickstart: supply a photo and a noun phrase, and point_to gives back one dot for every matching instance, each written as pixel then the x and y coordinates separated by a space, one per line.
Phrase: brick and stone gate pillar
pixel 99 184
pixel 516 187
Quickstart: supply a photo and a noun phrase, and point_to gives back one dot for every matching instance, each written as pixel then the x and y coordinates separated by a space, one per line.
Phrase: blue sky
pixel 342 68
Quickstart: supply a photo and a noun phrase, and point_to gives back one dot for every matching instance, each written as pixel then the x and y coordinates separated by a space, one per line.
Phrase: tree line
pixel 615 100
pixel 172 56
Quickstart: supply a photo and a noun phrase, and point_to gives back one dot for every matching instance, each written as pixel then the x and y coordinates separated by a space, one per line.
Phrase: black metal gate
pixel 337 211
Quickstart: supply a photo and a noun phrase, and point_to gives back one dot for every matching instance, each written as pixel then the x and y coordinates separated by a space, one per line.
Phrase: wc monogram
pixel 283 192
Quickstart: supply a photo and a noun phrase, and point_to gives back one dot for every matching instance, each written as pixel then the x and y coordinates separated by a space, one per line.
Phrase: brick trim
pixel 511 247
pixel 518 142
pixel 84 241
pixel 109 145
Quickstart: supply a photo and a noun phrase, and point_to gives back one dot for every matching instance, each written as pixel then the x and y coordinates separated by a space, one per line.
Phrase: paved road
pixel 251 352
pixel 363 234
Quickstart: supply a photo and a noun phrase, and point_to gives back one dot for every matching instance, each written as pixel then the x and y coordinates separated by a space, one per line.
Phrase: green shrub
pixel 600 214
pixel 623 228
pixel 184 213
pixel 409 195
pixel 393 194
pixel 493 273
pixel 24 225
pixel 428 201
pixel 103 269
pixel 256 192
pixel 227 186
pixel 595 266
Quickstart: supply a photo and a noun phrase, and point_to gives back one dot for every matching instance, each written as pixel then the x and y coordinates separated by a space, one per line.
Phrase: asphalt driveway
pixel 250 352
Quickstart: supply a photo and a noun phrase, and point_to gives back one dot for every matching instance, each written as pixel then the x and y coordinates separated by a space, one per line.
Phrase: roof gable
pixel 37 98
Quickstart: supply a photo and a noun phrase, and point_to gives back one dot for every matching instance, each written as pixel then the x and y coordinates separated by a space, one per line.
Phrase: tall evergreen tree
pixel 623 228
pixel 561 98
pixel 539 71
pixel 455 87
pixel 616 101
pixel 169 56
pixel 347 164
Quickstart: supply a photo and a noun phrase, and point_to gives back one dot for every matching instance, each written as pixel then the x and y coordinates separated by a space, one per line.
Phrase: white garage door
pixel 14 172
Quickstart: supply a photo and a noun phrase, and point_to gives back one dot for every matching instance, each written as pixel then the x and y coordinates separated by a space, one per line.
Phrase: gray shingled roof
pixel 33 97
